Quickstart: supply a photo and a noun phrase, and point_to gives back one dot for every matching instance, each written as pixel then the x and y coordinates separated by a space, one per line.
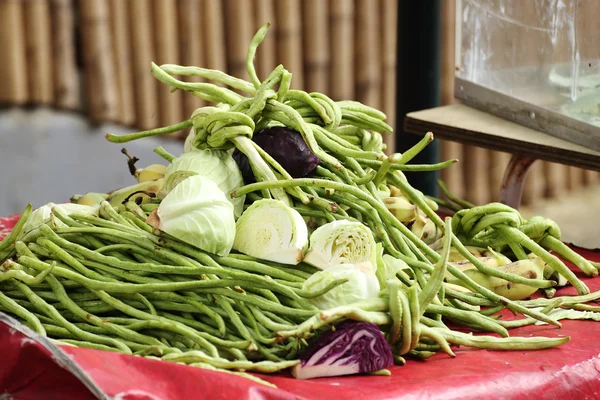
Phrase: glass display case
pixel 535 62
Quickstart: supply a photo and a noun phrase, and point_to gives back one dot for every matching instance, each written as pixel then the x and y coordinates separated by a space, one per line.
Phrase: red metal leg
pixel 513 180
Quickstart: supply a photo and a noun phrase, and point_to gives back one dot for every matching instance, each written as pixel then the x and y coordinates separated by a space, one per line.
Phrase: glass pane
pixel 544 52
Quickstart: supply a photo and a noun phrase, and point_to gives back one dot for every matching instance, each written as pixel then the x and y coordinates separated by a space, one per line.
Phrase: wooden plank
pixel 39 53
pixel 124 68
pixel 13 68
pixel 65 74
pixel 467 125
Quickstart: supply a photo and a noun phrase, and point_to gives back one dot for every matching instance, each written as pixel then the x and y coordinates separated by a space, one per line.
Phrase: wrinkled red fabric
pixel 572 371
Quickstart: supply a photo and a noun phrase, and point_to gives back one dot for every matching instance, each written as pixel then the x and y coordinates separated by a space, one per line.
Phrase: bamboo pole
pixel 167 52
pixel 289 39
pixel 497 167
pixel 452 176
pixel 99 62
pixel 119 16
pixel 589 177
pixel 146 97
pixel 316 46
pixel 554 178
pixel 389 31
pixel 191 42
pixel 574 179
pixel 214 45
pixel 341 22
pixel 533 190
pixel 13 89
pixel 65 74
pixel 474 174
pixel 238 36
pixel 39 55
pixel 265 60
pixel 367 59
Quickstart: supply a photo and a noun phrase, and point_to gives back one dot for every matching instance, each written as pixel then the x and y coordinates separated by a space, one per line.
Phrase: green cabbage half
pixel 270 230
pixel 217 165
pixel 197 212
pixel 362 285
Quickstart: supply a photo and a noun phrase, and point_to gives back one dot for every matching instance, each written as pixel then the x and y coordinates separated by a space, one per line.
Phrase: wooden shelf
pixel 461 123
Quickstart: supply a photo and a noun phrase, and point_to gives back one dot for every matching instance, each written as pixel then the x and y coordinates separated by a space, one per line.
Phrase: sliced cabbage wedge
pixel 197 212
pixel 362 284
pixel 341 242
pixel 272 231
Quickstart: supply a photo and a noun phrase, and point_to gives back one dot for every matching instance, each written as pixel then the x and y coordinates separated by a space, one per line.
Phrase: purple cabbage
pixel 286 146
pixel 352 348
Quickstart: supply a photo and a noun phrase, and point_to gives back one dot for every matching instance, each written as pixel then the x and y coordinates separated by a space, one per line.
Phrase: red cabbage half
pixel 352 348
pixel 286 146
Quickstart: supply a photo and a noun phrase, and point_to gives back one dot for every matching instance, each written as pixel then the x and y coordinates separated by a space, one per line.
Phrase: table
pixel 461 123
pixel 568 372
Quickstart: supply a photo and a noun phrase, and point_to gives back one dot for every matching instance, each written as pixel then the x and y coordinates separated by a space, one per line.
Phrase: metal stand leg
pixel 513 180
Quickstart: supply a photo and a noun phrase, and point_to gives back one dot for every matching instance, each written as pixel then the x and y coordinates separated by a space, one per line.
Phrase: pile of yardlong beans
pixel 110 282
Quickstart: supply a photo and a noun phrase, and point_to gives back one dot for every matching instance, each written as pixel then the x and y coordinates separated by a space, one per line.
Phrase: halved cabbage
pixel 197 212
pixel 341 242
pixel 271 231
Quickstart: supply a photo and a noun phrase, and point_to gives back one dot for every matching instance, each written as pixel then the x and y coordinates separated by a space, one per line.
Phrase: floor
pixel 577 214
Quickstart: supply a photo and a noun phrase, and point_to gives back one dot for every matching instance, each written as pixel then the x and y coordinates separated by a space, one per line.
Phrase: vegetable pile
pixel 283 237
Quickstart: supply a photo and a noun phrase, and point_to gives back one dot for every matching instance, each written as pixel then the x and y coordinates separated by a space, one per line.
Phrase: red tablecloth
pixel 28 370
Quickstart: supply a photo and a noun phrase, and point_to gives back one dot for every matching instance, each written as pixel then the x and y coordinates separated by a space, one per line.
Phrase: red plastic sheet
pixel 33 368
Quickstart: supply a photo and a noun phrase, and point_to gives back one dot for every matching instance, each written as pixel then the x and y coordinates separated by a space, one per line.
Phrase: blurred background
pixel 75 70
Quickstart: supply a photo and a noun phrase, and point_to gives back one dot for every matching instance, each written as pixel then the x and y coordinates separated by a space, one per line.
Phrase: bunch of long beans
pixel 110 282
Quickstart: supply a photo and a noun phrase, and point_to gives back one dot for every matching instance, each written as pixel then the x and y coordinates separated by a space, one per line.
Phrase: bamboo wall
pixel 93 57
